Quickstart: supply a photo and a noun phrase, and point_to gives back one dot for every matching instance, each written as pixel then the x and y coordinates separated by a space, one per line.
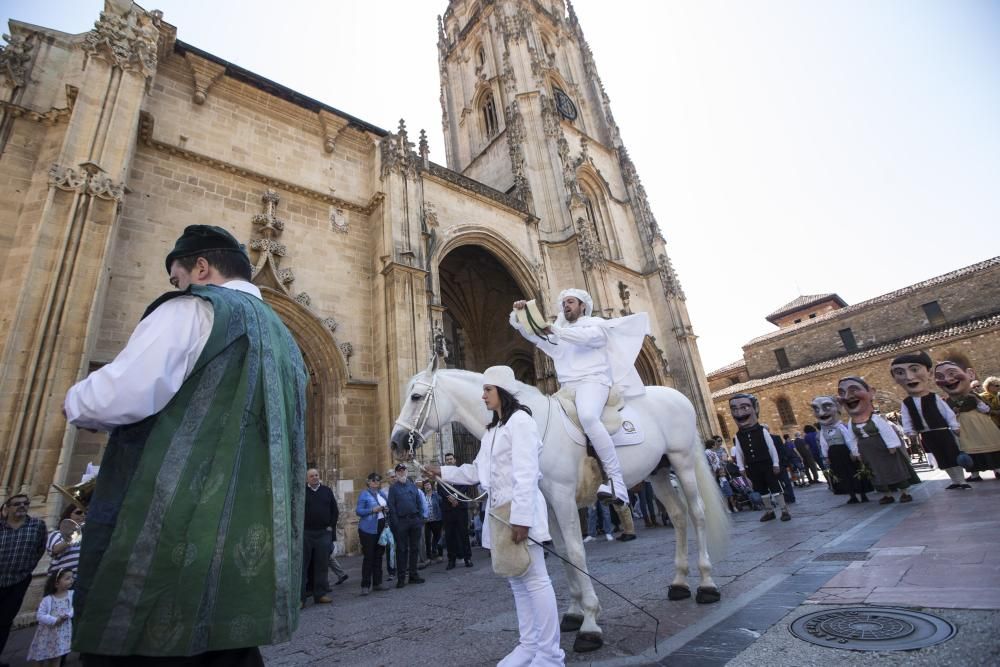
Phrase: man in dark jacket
pixel 802 447
pixel 455 516
pixel 320 524
pixel 406 520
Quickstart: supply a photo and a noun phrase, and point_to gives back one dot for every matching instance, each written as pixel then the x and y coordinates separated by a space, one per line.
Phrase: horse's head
pixel 420 415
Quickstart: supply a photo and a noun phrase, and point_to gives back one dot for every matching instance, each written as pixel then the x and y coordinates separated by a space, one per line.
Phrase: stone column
pixel 52 286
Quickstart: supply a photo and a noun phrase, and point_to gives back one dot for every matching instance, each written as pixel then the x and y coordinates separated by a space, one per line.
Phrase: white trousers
pixel 537 617
pixel 590 401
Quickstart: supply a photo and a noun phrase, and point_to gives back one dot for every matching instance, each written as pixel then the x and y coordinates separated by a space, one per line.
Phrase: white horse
pixel 435 398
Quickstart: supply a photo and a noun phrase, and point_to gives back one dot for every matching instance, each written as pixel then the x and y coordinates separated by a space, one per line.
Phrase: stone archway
pixel 476 291
pixel 327 376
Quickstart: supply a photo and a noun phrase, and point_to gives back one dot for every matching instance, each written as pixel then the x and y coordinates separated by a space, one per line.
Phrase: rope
pixel 555 553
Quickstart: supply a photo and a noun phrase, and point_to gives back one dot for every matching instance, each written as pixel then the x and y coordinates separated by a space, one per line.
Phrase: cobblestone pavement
pixel 466 616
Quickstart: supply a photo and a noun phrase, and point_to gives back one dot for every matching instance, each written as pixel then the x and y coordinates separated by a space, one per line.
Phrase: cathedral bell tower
pixel 524 111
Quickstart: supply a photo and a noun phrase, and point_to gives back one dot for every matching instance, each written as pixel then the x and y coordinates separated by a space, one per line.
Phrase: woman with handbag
pixel 507 469
pixel 371 509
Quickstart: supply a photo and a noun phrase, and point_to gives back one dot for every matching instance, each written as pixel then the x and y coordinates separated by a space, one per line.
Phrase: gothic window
pixel 488 110
pixel 598 217
pixel 785 411
pixel 481 57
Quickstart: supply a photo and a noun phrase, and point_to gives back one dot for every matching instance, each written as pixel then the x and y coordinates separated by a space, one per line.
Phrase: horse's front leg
pixel 665 491
pixel 584 605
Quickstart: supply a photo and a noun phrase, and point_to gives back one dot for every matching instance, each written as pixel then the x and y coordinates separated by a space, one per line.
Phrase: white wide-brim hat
pixel 531 318
pixel 501 376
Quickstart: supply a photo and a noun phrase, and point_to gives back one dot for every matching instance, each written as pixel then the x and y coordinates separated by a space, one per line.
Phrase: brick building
pixel 821 339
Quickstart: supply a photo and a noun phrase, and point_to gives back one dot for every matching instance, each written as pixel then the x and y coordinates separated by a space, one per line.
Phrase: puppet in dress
pixel 835 444
pixel 881 448
pixel 980 435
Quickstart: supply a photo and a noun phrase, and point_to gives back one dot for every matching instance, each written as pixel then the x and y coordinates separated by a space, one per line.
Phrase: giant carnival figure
pixel 980 435
pixel 756 453
pixel 840 449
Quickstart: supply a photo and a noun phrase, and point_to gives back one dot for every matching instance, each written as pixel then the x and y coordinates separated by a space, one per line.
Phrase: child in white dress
pixel 55 624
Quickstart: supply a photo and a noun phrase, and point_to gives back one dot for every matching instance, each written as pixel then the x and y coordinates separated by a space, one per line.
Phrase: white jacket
pixel 507 468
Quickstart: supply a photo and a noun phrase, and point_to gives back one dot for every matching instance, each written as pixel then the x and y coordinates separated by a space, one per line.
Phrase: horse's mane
pixel 527 389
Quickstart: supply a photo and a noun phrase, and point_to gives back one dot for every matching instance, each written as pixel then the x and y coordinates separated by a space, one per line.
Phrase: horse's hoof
pixel 707 595
pixel 677 592
pixel 588 641
pixel 570 622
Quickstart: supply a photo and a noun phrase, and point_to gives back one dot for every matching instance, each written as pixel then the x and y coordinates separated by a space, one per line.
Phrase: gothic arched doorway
pixel 327 374
pixel 477 291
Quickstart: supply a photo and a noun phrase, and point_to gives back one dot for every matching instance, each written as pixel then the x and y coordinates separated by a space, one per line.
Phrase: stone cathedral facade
pixel 113 140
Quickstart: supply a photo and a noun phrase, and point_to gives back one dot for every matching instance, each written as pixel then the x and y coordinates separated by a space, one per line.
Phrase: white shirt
pixel 158 358
pixel 943 408
pixel 845 432
pixel 507 468
pixel 579 351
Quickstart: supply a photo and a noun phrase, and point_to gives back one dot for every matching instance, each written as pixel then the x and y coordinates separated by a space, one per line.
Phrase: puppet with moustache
pixel 756 453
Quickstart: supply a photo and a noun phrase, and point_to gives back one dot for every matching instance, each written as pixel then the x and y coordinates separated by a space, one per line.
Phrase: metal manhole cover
pixel 872 629
pixel 844 556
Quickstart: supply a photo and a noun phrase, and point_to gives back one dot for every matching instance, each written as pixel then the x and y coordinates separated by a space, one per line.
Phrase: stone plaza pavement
pixel 937 553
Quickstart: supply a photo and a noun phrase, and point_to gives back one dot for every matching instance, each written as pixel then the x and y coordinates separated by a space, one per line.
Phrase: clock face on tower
pixel 564 105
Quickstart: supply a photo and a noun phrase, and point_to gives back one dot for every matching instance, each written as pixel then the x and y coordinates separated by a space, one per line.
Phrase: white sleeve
pixel 542 344
pixel 585 336
pixel 773 451
pixel 948 414
pixel 982 406
pixel 142 379
pixel 738 454
pixel 824 446
pixel 524 459
pixel 904 412
pixel 44 614
pixel 466 474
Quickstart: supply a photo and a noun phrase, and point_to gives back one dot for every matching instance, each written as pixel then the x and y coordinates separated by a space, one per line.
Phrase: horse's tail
pixel 717 522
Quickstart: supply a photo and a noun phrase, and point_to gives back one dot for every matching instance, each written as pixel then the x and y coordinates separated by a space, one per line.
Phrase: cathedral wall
pixel 492 165
pixel 256 130
pixel 334 268
pixel 454 209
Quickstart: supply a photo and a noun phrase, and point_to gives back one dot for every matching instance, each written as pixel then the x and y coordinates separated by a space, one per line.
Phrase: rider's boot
pixel 615 488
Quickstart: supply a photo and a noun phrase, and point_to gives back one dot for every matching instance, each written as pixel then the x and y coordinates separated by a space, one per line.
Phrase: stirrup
pixel 605 494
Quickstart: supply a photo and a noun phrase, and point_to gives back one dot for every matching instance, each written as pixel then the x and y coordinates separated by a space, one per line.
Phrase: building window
pixel 481 57
pixel 785 412
pixel 812 316
pixel 797 321
pixel 489 115
pixel 847 338
pixel 935 316
pixel 782 358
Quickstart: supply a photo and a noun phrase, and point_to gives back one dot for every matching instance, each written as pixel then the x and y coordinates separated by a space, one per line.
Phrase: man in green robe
pixel 192 548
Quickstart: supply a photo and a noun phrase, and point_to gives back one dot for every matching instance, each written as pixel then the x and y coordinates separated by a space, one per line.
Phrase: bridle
pixel 415 429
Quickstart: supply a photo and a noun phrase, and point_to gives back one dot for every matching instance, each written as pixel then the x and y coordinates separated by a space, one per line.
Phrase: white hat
pixel 501 376
pixel 579 294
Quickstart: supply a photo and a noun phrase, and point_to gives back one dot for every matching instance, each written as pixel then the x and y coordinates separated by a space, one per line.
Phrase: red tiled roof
pixel 804 302
pixel 739 363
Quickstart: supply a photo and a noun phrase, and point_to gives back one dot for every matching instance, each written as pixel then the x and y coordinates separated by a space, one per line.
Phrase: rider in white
pixel 587 359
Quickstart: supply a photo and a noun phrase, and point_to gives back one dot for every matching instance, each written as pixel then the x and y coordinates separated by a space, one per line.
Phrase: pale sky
pixel 787 147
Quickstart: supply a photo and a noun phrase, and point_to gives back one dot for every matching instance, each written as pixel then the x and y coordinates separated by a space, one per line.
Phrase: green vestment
pixel 193 540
